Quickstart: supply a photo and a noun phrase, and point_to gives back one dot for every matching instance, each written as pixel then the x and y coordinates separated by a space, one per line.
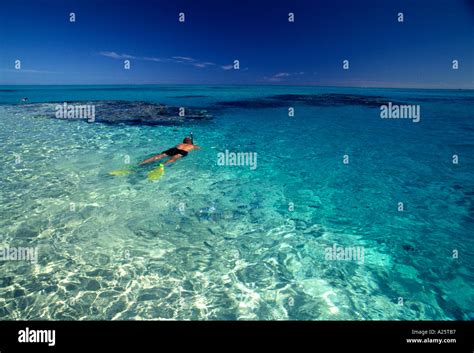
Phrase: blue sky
pixel 381 51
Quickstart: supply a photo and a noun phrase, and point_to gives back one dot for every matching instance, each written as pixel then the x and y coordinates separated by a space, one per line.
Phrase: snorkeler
pixel 177 152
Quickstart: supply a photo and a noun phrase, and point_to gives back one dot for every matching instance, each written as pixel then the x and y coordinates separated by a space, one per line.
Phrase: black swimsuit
pixel 174 151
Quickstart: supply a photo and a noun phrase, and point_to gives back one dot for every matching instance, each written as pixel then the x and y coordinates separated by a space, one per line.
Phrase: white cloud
pixel 203 64
pixel 159 60
pixel 273 79
pixel 278 77
pixel 31 71
pixel 281 76
pixel 185 60
pixel 114 55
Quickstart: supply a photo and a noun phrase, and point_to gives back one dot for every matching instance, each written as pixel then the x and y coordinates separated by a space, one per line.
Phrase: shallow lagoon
pixel 225 242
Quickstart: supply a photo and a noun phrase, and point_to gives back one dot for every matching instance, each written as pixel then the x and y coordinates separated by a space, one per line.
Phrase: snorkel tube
pixel 191 137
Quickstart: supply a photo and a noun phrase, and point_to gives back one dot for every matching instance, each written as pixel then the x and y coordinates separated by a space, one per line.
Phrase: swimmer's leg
pixel 154 158
pixel 173 159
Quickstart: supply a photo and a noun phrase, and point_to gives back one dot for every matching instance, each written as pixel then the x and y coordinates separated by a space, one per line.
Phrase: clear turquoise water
pixel 130 251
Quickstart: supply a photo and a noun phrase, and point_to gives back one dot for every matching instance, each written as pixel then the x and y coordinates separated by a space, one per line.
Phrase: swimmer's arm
pixel 196 147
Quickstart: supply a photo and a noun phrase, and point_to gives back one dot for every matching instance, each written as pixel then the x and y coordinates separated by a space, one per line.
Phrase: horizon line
pixel 236 84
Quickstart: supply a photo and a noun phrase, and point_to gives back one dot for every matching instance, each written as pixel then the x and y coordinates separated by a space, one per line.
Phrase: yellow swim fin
pixel 119 172
pixel 156 173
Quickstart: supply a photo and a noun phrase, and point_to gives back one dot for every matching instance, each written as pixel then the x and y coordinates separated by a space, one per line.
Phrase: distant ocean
pixel 208 241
